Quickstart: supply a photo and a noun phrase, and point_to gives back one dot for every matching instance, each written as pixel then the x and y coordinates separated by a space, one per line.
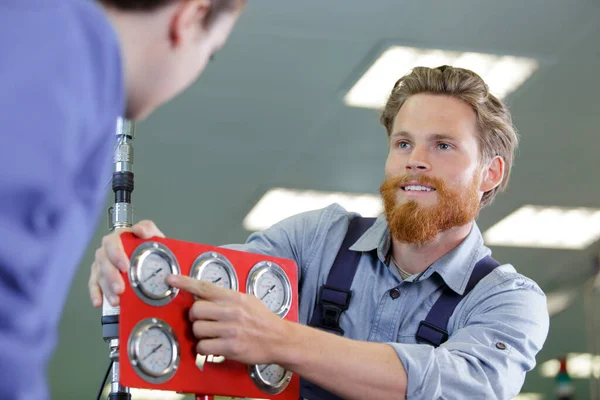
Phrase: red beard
pixel 413 223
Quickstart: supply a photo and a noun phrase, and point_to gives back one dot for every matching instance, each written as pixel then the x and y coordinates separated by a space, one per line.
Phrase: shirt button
pixel 394 293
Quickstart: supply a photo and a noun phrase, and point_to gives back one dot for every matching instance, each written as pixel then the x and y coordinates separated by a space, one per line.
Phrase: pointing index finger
pixel 203 289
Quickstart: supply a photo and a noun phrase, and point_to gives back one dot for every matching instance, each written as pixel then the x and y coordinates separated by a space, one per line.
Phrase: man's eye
pixel 403 145
pixel 444 146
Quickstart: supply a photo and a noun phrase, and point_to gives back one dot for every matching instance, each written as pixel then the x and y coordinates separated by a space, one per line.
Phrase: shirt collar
pixel 454 267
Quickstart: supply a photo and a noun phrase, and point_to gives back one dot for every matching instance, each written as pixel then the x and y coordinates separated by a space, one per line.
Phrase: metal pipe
pixel 120 216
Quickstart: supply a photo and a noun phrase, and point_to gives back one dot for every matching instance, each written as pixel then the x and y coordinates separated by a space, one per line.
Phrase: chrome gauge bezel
pixel 264 385
pixel 133 349
pixel 212 257
pixel 137 261
pixel 268 266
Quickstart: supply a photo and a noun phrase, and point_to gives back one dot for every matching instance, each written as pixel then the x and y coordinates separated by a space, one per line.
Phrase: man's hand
pixel 235 325
pixel 110 259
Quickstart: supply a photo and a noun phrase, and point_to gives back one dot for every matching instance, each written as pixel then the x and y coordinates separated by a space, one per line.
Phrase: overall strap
pixel 334 296
pixel 433 330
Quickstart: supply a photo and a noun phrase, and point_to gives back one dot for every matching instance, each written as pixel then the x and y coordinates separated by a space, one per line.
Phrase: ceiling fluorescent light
pixel 278 204
pixel 550 368
pixel 579 366
pixel 560 300
pixel 503 73
pixel 529 396
pixel 547 227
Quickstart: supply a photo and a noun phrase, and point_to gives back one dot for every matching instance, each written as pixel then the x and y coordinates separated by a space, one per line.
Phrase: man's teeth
pixel 418 188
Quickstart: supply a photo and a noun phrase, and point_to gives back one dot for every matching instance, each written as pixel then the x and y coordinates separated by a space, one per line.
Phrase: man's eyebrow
pixel 401 134
pixel 441 137
pixel 432 137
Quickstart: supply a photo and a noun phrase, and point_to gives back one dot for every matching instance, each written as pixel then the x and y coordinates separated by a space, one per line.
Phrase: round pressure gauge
pixel 151 263
pixel 214 267
pixel 153 350
pixel 270 378
pixel 271 285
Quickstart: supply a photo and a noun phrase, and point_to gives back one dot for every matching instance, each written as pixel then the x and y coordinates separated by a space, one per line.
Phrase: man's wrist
pixel 286 346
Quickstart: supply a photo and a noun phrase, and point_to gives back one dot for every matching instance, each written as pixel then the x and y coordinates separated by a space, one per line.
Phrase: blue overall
pixel 334 299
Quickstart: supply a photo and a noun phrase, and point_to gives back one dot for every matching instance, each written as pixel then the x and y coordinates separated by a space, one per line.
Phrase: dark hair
pixel 216 6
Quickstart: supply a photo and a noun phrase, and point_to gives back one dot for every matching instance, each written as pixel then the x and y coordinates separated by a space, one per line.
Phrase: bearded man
pixel 410 305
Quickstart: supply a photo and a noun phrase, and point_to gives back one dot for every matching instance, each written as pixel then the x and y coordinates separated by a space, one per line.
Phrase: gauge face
pixel 151 263
pixel 271 373
pixel 270 284
pixel 154 270
pixel 271 290
pixel 270 378
pixel 153 350
pixel 217 274
pixel 215 268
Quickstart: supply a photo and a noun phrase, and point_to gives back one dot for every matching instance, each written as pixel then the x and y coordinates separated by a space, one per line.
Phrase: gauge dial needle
pixel 153 351
pixel 268 291
pixel 216 280
pixel 265 367
pixel 153 274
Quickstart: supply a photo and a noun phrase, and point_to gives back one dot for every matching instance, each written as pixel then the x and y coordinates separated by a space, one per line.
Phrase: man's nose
pixel 418 160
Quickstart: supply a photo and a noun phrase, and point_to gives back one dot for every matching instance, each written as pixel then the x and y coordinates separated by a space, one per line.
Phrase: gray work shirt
pixel 495 331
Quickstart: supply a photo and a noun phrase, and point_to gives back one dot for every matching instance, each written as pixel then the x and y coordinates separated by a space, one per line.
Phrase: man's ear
pixel 492 174
pixel 187 19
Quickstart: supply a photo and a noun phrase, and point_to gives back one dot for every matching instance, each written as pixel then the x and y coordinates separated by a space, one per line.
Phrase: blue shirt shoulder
pixel 62 90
